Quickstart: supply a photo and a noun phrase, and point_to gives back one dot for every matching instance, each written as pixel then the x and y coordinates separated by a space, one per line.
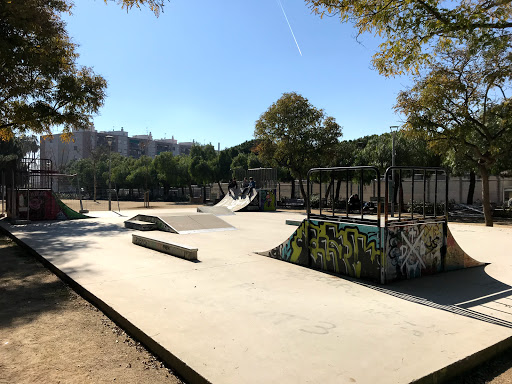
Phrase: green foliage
pixel 294 134
pixel 41 86
pixel 240 161
pixel 203 162
pixel 414 31
pixel 166 166
pixel 462 106
pixel 156 6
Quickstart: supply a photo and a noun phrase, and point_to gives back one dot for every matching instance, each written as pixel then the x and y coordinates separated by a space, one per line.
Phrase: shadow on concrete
pixel 456 292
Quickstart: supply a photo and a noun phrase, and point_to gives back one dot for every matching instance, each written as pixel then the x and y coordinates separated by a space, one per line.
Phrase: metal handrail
pixel 347 170
pixel 435 170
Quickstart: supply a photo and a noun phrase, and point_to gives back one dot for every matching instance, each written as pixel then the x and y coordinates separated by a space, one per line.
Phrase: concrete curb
pixel 178 366
pixel 465 365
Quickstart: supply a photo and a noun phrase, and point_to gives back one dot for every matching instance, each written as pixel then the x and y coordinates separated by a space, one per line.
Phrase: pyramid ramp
pixel 186 223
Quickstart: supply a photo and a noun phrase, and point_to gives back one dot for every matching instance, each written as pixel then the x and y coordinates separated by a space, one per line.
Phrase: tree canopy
pixel 414 30
pixel 294 134
pixel 41 85
pixel 464 105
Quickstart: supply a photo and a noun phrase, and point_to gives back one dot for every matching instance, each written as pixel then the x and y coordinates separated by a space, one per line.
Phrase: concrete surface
pixel 236 317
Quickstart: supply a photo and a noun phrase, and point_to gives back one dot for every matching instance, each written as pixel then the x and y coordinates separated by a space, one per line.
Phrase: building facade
pixel 83 144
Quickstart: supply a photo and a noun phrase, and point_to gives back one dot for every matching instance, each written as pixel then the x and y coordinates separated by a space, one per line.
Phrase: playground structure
pixel 393 240
pixel 265 191
pixel 30 195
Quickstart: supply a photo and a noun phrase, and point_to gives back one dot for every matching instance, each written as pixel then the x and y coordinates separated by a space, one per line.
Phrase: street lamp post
pixel 393 129
pixel 109 142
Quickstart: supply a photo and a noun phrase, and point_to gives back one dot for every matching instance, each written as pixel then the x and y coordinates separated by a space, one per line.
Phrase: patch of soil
pixel 49 334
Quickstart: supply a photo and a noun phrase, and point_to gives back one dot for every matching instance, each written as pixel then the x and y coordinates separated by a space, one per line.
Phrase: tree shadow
pixel 27 289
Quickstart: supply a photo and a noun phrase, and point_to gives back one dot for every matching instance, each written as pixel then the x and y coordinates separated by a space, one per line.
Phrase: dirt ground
pixel 49 334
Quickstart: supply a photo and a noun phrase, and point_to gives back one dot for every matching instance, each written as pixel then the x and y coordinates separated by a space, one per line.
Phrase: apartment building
pixel 83 143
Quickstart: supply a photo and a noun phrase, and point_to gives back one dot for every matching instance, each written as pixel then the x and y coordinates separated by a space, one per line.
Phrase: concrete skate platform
pixel 184 223
pixel 237 317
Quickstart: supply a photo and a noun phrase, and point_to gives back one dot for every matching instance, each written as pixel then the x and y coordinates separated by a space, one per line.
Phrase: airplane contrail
pixel 289 26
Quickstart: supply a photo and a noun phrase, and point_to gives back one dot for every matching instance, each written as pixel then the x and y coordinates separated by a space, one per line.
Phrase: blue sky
pixel 207 71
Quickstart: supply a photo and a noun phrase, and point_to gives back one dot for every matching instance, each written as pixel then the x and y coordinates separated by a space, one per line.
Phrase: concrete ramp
pixel 356 250
pixel 237 201
pixel 186 223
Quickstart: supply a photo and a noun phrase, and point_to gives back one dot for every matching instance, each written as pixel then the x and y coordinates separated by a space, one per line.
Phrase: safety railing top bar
pixel 396 188
pixel 346 174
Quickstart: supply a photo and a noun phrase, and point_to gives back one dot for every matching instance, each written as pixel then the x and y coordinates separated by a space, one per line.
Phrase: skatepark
pixel 234 315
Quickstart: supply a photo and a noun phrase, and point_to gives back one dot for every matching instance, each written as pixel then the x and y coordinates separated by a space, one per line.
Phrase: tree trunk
pixel 402 203
pixel 302 190
pixel 329 189
pixel 293 189
pixel 484 173
pixel 471 191
pixel 338 187
pixel 221 190
pixel 191 194
pixel 94 186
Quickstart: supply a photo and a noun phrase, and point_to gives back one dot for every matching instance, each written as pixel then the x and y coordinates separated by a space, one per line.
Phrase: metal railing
pixel 396 188
pixel 345 174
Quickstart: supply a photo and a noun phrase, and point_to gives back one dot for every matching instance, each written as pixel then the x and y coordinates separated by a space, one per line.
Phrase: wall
pixel 413 250
pixel 458 190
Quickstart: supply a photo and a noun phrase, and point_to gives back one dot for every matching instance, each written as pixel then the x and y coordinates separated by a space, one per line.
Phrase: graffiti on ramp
pixel 357 250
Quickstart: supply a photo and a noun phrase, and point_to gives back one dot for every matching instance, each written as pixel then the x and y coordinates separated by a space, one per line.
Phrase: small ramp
pixel 186 223
pixel 237 202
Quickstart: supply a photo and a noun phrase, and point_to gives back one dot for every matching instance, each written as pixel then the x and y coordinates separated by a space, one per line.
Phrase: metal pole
pixel 3 191
pixel 109 177
pixel 392 174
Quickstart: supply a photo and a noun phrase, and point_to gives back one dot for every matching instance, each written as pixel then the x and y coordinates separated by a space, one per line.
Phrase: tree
pixel 414 30
pixel 202 163
pixel 464 104
pixel 156 6
pixel 240 161
pixel 166 166
pixel 222 167
pixel 41 85
pixel 295 134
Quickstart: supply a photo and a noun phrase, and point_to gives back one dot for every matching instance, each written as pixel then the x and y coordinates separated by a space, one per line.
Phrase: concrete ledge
pixel 140 225
pixel 178 250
